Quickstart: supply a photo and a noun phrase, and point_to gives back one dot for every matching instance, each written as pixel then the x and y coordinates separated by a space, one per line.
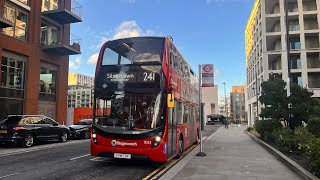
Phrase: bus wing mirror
pixel 170 100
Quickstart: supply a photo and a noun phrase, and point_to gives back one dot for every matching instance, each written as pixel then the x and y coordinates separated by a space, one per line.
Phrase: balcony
pixel 58 11
pixel 5 19
pixel 309 5
pixel 310 22
pixel 275 62
pixel 274 43
pixel 51 44
pixel 312 40
pixel 314 79
pixel 272 7
pixel 313 60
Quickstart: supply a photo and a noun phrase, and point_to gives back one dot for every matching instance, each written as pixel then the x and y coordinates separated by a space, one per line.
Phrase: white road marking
pixel 8 175
pixel 203 138
pixel 100 159
pixel 79 157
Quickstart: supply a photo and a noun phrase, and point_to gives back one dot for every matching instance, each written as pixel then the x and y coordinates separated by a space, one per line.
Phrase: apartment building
pixel 266 55
pixel 237 103
pixel 80 90
pixel 35 44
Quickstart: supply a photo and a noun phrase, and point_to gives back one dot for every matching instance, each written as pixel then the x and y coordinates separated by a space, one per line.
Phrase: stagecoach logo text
pixel 123 77
pixel 119 143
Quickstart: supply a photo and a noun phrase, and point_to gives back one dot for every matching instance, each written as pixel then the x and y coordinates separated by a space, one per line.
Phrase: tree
pixel 275 101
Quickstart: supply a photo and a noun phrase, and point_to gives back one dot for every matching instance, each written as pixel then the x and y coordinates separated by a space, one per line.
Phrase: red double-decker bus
pixel 146 101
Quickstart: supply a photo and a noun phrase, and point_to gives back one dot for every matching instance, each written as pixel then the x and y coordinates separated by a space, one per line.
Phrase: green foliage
pixel 302 136
pixel 313 155
pixel 250 129
pixel 275 99
pixel 314 126
pixel 285 140
pixel 273 96
pixel 292 141
pixel 266 127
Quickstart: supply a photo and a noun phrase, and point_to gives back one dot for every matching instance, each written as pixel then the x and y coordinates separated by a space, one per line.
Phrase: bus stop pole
pixel 201 153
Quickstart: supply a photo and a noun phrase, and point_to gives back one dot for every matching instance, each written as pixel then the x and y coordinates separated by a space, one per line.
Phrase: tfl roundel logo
pixel 113 142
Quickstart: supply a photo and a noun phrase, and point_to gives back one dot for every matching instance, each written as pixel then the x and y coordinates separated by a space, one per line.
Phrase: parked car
pixel 81 129
pixel 26 130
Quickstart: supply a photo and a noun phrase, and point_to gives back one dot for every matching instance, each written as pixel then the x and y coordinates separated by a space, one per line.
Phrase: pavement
pixel 70 160
pixel 231 155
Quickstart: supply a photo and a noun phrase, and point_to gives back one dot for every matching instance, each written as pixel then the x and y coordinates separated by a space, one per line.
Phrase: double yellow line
pixel 156 174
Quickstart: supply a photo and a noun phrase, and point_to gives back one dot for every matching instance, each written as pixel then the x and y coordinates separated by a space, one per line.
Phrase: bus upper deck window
pixel 110 57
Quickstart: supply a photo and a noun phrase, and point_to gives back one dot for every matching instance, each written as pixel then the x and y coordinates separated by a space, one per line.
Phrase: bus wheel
pixel 198 137
pixel 181 147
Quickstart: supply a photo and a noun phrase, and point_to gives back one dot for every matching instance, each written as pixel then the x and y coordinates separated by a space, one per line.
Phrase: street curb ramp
pixel 303 173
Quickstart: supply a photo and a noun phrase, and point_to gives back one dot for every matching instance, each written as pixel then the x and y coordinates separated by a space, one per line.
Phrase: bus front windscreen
pixel 133 51
pixel 130 112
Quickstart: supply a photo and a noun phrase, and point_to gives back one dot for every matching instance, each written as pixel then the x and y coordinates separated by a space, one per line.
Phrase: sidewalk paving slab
pixel 233 155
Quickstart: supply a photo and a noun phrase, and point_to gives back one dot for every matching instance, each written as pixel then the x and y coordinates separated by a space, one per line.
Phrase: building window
pixel 49 35
pixel 48 82
pixel 12 73
pixel 20 20
pixel 49 5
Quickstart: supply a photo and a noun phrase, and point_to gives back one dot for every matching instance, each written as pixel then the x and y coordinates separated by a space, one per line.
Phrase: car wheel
pixel 86 135
pixel 28 140
pixel 64 137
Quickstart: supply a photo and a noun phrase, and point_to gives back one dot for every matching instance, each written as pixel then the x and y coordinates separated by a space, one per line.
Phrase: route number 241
pixel 149 76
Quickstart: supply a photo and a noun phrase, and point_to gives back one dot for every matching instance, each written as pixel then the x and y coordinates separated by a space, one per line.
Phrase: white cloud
pixel 217 72
pixel 124 30
pixel 75 64
pixel 93 59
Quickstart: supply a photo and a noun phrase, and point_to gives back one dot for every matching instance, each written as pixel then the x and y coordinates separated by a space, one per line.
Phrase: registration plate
pixel 3 131
pixel 122 156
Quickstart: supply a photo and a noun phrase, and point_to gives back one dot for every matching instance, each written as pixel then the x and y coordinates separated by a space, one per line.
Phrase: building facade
pixel 80 91
pixel 35 44
pixel 237 106
pixel 210 100
pixel 266 54
pixel 79 81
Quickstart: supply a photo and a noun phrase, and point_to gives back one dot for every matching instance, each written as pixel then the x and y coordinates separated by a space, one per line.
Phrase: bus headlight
pixel 94 138
pixel 156 141
pixel 157 138
pixel 94 135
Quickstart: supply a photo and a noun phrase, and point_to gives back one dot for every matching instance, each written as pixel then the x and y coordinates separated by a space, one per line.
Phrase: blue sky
pixel 205 31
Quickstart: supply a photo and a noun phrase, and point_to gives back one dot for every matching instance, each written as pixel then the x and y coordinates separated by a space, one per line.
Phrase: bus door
pixel 172 131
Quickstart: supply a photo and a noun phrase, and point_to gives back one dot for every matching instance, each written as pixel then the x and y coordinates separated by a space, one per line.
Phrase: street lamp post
pixel 225 100
pixel 289 65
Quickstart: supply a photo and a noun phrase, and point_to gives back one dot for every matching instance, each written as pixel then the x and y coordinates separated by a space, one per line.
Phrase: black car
pixel 81 129
pixel 27 129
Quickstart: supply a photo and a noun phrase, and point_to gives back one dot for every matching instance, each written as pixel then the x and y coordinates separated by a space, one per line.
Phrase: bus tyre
pixel 181 147
pixel 28 140
pixel 63 137
pixel 198 136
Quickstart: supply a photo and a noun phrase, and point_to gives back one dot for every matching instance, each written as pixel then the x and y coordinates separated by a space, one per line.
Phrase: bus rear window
pixel 133 51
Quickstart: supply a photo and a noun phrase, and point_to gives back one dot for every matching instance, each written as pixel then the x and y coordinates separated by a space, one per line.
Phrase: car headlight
pixel 94 136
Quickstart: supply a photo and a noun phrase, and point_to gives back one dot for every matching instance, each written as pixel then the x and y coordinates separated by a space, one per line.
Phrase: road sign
pixel 207 75
pixel 207 69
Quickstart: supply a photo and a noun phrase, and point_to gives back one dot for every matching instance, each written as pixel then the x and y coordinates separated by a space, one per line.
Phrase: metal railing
pixel 75 42
pixel 76 8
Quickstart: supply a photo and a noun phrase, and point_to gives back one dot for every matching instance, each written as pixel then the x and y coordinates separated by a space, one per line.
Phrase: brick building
pixel 35 44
